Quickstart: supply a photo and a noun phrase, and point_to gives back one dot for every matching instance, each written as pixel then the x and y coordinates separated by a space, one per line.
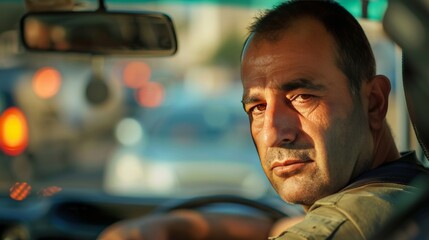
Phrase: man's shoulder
pixel 356 213
pixel 368 204
pixel 365 208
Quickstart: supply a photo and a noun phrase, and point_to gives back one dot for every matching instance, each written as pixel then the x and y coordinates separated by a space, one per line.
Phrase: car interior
pixel 58 212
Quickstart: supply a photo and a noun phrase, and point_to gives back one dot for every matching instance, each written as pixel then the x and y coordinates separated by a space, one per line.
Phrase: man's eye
pixel 302 98
pixel 257 109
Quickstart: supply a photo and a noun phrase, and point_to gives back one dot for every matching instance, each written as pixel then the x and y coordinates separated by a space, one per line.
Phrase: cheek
pixel 256 128
pixel 340 141
pixel 258 140
pixel 328 129
pixel 320 135
pixel 316 127
pixel 330 121
pixel 322 116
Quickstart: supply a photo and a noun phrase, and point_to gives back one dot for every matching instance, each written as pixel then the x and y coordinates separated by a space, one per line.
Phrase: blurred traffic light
pixel 13 131
pixel 46 82
pixel 136 74
pixel 150 95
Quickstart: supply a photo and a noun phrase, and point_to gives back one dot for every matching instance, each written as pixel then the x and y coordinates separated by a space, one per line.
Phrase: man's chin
pixel 295 191
pixel 305 201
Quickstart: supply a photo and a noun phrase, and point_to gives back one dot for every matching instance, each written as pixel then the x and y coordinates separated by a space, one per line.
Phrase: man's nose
pixel 281 124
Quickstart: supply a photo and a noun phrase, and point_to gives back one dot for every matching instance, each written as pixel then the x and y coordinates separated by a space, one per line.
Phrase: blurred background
pixel 132 126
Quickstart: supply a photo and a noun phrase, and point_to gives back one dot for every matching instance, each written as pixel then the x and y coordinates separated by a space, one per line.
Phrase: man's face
pixel 311 134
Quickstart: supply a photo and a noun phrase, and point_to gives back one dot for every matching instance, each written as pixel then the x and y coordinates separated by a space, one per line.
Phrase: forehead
pixel 304 48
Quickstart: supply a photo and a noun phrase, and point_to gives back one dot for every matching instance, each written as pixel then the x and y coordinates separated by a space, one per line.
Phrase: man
pixel 317 115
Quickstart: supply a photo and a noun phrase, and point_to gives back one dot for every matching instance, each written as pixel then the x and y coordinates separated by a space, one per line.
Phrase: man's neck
pixel 385 149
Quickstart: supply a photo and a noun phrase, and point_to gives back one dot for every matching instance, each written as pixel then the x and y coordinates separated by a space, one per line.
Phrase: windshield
pixel 146 126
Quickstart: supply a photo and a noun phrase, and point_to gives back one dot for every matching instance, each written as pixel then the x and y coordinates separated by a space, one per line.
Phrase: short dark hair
pixel 354 54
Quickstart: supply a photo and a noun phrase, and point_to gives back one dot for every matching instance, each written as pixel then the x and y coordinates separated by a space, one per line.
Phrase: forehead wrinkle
pixel 300 83
pixel 261 60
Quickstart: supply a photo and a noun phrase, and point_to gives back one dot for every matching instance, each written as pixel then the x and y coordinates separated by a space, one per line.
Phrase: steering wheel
pixel 204 201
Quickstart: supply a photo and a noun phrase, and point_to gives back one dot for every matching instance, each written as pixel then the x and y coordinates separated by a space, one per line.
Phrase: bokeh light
pixel 151 95
pixel 46 82
pixel 136 74
pixel 130 170
pixel 13 131
pixel 168 176
pixel 49 191
pixel 20 191
pixel 129 131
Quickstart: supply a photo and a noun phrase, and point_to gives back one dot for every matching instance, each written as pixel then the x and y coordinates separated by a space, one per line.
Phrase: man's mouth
pixel 288 167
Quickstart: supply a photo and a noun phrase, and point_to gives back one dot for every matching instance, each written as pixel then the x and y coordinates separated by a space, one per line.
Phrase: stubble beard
pixel 303 187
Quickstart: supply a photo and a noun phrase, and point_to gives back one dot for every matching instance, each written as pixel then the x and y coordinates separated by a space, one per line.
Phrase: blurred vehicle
pixel 196 145
pixel 96 128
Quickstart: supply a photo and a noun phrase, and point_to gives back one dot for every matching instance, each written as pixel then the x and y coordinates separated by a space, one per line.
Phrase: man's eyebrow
pixel 248 99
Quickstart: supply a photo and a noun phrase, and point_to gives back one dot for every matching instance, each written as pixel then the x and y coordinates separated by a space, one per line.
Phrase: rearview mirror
pixel 144 33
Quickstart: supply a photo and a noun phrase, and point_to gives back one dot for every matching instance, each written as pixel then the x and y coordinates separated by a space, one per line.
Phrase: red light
pixel 46 82
pixel 136 74
pixel 19 191
pixel 151 95
pixel 13 131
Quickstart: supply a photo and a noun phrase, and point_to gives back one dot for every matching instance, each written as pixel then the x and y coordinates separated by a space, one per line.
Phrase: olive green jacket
pixel 358 212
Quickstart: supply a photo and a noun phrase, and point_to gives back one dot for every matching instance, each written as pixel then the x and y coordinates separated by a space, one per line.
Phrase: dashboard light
pixel 20 191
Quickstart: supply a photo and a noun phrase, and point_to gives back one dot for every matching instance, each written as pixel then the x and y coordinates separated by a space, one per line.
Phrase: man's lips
pixel 288 167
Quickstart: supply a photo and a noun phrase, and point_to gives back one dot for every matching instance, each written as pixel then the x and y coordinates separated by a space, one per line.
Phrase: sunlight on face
pixel 312 137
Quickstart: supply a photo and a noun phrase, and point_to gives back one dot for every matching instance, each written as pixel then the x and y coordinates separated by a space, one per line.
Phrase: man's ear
pixel 378 101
